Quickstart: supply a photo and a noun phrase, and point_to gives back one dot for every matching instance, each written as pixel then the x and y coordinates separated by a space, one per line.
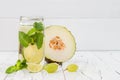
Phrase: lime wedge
pixel 34 67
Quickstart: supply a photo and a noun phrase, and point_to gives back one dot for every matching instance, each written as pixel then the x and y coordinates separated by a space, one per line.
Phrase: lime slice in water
pixel 32 54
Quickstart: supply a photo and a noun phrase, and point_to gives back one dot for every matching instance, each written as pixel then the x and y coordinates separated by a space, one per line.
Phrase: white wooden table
pixel 102 65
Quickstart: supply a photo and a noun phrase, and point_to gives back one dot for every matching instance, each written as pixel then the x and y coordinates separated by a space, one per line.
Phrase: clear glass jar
pixel 31 42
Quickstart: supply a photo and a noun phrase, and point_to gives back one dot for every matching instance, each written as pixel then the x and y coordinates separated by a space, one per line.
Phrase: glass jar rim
pixel 31 18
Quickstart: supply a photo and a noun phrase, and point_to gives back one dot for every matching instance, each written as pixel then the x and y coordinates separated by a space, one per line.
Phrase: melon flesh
pixel 59 55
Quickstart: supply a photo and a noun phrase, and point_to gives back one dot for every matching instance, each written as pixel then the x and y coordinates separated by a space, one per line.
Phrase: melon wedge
pixel 60 44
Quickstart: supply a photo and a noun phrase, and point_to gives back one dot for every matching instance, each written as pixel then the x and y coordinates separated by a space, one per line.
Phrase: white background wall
pixel 94 23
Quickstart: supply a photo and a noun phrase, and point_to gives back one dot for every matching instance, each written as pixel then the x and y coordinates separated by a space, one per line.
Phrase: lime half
pixel 34 67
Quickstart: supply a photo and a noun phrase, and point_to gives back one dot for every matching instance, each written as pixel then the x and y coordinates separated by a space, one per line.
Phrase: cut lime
pixel 34 67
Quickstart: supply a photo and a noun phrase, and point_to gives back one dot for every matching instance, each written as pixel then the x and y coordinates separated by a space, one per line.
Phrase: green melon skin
pixel 51 61
pixel 66 37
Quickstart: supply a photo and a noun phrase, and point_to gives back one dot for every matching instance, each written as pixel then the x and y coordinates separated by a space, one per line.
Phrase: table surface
pixel 102 65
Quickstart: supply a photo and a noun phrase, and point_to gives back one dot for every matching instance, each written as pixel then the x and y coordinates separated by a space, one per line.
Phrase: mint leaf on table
pixel 18 66
pixel 38 26
pixel 11 69
pixel 39 40
pixel 23 64
pixel 24 39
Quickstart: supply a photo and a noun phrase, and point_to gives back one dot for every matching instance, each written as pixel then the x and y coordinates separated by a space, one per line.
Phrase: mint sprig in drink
pixel 31 40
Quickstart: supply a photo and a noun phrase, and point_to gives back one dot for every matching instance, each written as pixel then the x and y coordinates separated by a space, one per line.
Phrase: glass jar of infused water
pixel 31 42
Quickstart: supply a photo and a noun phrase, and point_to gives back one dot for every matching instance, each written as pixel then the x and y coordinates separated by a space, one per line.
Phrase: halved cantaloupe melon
pixel 60 44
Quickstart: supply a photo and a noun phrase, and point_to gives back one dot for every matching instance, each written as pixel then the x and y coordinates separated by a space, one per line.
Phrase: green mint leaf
pixel 23 64
pixel 18 66
pixel 31 32
pixel 24 39
pixel 11 69
pixel 33 38
pixel 39 40
pixel 38 26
